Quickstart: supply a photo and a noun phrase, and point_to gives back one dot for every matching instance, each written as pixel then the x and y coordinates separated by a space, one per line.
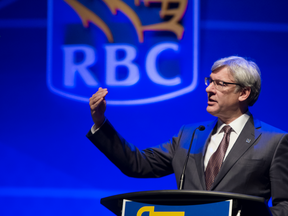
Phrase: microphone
pixel 200 128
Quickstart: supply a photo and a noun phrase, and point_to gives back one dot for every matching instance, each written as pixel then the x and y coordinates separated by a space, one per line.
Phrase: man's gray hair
pixel 246 73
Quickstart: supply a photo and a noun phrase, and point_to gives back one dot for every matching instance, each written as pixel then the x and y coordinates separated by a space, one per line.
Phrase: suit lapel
pixel 245 140
pixel 199 146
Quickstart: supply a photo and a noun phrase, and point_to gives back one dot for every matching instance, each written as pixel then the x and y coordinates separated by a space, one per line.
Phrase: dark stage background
pixel 49 167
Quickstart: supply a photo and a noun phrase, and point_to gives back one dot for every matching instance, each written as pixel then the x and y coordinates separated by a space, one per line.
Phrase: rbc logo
pixel 142 51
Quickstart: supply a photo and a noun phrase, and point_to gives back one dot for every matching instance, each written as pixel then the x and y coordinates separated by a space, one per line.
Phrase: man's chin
pixel 211 110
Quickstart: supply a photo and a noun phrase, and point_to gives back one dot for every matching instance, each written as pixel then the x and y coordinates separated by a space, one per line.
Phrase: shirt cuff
pixel 94 129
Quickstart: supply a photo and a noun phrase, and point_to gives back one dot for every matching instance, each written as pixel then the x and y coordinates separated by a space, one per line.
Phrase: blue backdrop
pixel 49 167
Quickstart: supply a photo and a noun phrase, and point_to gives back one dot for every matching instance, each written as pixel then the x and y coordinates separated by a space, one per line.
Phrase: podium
pixel 249 205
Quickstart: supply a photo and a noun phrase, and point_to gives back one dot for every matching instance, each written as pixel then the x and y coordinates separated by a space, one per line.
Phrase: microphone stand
pixel 201 128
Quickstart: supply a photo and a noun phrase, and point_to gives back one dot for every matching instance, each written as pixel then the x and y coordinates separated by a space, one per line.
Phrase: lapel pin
pixel 248 140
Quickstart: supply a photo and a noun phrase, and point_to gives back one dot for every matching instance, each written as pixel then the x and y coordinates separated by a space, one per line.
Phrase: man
pixel 235 153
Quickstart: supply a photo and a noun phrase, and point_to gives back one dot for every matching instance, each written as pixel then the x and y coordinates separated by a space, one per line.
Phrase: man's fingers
pixel 95 97
pixel 97 104
pixel 101 89
pixel 102 93
pixel 98 98
pixel 94 106
pixel 98 95
pixel 95 101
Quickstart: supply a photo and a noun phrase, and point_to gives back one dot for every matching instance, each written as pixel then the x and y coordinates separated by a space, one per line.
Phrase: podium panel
pixel 248 205
pixel 131 208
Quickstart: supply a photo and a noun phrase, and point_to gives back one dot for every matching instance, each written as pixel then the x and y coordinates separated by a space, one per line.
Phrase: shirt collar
pixel 237 125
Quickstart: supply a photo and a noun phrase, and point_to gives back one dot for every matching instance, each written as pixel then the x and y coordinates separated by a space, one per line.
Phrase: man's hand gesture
pixel 98 106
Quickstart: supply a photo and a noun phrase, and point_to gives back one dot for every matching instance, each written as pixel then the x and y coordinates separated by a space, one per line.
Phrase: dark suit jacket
pixel 256 165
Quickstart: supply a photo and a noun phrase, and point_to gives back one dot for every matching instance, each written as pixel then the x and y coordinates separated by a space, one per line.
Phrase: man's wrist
pixel 99 122
pixel 94 128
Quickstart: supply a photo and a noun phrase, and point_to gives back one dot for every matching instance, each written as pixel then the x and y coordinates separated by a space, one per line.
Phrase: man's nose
pixel 210 87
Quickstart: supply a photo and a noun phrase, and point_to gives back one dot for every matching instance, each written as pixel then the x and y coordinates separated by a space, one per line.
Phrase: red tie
pixel 216 159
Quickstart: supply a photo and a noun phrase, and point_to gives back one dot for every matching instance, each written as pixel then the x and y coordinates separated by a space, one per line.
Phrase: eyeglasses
pixel 219 85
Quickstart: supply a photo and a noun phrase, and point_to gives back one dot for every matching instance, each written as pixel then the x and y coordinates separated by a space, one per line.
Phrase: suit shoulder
pixel 270 129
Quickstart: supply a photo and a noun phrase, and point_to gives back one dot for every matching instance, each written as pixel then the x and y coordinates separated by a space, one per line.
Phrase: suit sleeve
pixel 279 178
pixel 149 163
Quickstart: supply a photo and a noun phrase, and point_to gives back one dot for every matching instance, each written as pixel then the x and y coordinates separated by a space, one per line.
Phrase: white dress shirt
pixel 237 126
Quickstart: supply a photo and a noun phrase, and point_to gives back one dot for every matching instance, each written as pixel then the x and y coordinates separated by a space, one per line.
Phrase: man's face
pixel 223 103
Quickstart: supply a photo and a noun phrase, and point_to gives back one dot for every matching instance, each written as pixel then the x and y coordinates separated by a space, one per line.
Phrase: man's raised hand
pixel 98 106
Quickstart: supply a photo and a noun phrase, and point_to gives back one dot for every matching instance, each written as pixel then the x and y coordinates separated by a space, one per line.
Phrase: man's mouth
pixel 211 101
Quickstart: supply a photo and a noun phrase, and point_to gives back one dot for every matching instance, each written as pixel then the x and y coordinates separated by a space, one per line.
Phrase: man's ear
pixel 244 93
